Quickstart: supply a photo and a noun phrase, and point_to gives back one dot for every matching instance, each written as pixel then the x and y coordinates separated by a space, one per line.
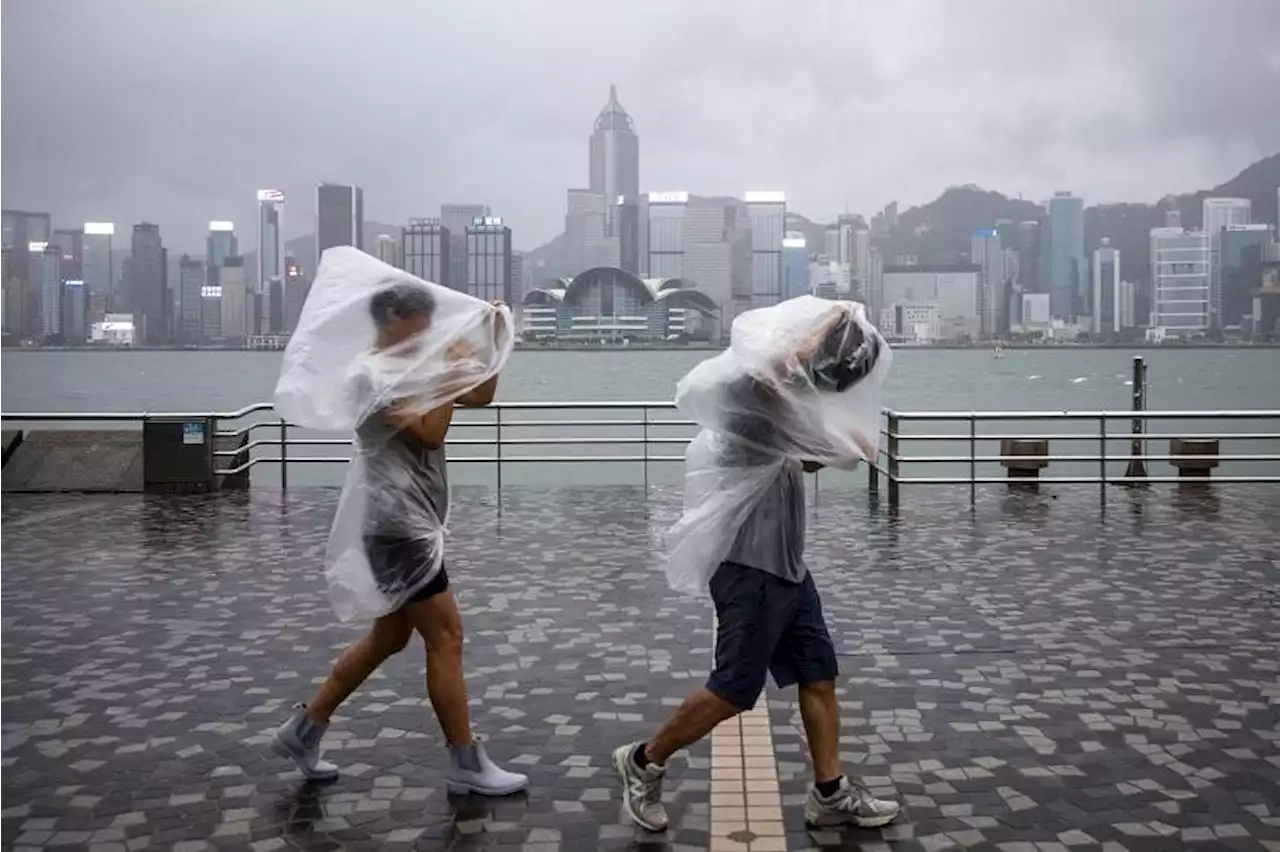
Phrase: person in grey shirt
pixel 406 494
pixel 768 614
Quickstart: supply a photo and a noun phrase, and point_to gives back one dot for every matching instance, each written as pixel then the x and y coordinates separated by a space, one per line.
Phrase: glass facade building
pixel 339 217
pixel 767 218
pixel 489 260
pixel 1065 255
pixel 1180 279
pixel 426 250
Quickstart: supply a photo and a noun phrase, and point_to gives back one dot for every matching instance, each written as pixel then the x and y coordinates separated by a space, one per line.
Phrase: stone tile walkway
pixel 1034 675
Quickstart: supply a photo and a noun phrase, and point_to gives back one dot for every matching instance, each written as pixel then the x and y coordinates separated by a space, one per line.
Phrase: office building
pixel 767 218
pixel 1242 250
pixel 1127 306
pixel 667 212
pixel 954 288
pixel 629 221
pixel 210 309
pixel 220 243
pixel 426 250
pixel 23 229
pixel 99 268
pixel 148 297
pixel 75 329
pixel 518 288
pixel 1036 312
pixel 795 265
pixel 614 154
pixel 456 218
pixel 297 285
pixel 235 299
pixel 986 253
pixel 488 248
pixel 41 299
pixel 270 257
pixel 1218 214
pixel 587 231
pixel 339 218
pixel 1106 315
pixel 191 284
pixel 70 241
pixel 911 322
pixel 1065 252
pixel 388 250
pixel 1180 282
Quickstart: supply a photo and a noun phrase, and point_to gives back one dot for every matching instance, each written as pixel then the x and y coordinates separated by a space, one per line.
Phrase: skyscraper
pixel 795 265
pixel 1218 214
pixel 191 284
pixel 98 268
pixel 221 243
pixel 42 292
pixel 70 241
pixel 1029 257
pixel 296 287
pixel 456 218
pixel 586 231
pixel 339 217
pixel 614 150
pixel 489 259
pixel 767 215
pixel 148 299
pixel 388 250
pixel 666 233
pixel 987 255
pixel 426 250
pixel 1242 249
pixel 628 220
pixel 1107 311
pixel 1180 279
pixel 1066 263
pixel 236 299
pixel 270 258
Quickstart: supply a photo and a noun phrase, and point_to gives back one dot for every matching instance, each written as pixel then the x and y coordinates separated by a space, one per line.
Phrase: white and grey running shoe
pixel 641 789
pixel 852 804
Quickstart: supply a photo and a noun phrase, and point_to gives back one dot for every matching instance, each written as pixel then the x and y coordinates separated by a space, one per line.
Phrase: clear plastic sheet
pixel 800 382
pixel 376 349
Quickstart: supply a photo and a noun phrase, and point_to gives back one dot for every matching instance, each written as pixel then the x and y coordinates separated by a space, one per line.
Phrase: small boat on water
pixel 997 352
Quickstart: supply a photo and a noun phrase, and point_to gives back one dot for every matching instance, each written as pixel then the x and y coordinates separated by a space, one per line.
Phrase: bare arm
pixel 430 428
pixel 483 395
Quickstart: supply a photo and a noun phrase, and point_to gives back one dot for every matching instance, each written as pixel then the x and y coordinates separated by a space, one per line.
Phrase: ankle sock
pixel 827 789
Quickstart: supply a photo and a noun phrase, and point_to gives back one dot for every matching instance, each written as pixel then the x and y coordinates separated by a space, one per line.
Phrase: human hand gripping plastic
pixel 799 383
pixel 377 349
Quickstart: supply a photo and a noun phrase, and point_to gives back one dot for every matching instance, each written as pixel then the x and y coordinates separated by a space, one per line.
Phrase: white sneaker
pixel 299 740
pixel 852 804
pixel 641 789
pixel 471 771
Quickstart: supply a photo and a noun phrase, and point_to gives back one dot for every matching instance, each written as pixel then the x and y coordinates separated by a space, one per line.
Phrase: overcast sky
pixel 176 111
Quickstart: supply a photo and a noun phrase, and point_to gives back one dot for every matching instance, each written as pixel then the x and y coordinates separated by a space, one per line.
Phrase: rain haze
pixel 176 112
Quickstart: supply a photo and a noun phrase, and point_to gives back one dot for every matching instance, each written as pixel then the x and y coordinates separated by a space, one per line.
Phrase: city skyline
pixel 872 136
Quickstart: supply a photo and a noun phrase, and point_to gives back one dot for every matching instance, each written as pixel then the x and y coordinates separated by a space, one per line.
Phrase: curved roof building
pixel 611 303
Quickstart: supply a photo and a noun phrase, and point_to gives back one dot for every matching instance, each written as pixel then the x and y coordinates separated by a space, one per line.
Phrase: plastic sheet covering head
pixel 799 382
pixel 376 348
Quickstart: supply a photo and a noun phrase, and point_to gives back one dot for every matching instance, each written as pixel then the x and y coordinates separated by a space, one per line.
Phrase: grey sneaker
pixel 471 771
pixel 852 804
pixel 641 789
pixel 299 740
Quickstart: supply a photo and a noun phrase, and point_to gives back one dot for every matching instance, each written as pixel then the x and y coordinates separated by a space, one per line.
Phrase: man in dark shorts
pixel 768 613
pixel 406 479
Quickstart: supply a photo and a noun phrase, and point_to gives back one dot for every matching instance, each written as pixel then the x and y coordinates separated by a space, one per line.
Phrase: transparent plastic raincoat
pixel 800 381
pixel 343 371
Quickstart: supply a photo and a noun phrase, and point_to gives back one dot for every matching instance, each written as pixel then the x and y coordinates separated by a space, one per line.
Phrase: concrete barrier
pixel 73 460
pixel 1024 473
pixel 1194 468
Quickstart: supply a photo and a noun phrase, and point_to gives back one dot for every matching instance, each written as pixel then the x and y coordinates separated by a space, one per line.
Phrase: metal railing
pixel 1115 437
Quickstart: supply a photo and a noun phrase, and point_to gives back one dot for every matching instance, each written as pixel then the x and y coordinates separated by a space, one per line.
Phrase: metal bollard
pixel 1023 472
pixel 1194 468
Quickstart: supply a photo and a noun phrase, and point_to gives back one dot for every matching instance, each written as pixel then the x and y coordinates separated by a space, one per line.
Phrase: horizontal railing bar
pixel 966 416
pixel 1115 457
pixel 1076 480
pixel 1091 436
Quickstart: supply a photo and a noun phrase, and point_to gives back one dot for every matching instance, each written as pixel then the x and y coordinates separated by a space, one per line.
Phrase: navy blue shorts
pixel 766 625
pixel 395 561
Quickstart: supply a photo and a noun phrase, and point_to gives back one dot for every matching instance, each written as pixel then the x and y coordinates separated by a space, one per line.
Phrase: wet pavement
pixel 1034 674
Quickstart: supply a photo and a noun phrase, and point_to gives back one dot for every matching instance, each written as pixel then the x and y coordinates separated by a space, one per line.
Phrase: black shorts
pixel 766 625
pixel 396 562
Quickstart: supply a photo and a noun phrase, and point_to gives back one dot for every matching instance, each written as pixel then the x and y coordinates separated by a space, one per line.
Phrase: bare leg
pixel 699 713
pixel 821 715
pixel 387 637
pixel 438 620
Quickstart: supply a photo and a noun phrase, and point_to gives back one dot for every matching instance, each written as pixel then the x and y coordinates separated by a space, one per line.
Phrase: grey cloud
pixel 177 110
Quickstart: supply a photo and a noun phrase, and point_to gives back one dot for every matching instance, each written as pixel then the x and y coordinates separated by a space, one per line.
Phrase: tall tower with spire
pixel 615 155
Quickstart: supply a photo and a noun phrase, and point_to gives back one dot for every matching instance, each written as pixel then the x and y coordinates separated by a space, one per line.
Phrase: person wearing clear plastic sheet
pixel 404 457
pixel 769 615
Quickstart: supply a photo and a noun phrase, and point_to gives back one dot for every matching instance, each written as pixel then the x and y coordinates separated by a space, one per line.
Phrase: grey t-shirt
pixel 760 429
pixel 407 483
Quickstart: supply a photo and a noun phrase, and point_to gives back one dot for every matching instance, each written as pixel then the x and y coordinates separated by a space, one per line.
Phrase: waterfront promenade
pixel 1034 674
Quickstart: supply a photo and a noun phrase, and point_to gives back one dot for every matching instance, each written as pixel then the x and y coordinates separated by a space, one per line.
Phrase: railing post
pixel 645 426
pixel 893 460
pixel 284 454
pixel 498 421
pixel 1137 468
pixel 973 459
pixel 1102 458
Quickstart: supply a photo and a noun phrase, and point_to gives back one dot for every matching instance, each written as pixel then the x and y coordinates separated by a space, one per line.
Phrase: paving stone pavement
pixel 1031 675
